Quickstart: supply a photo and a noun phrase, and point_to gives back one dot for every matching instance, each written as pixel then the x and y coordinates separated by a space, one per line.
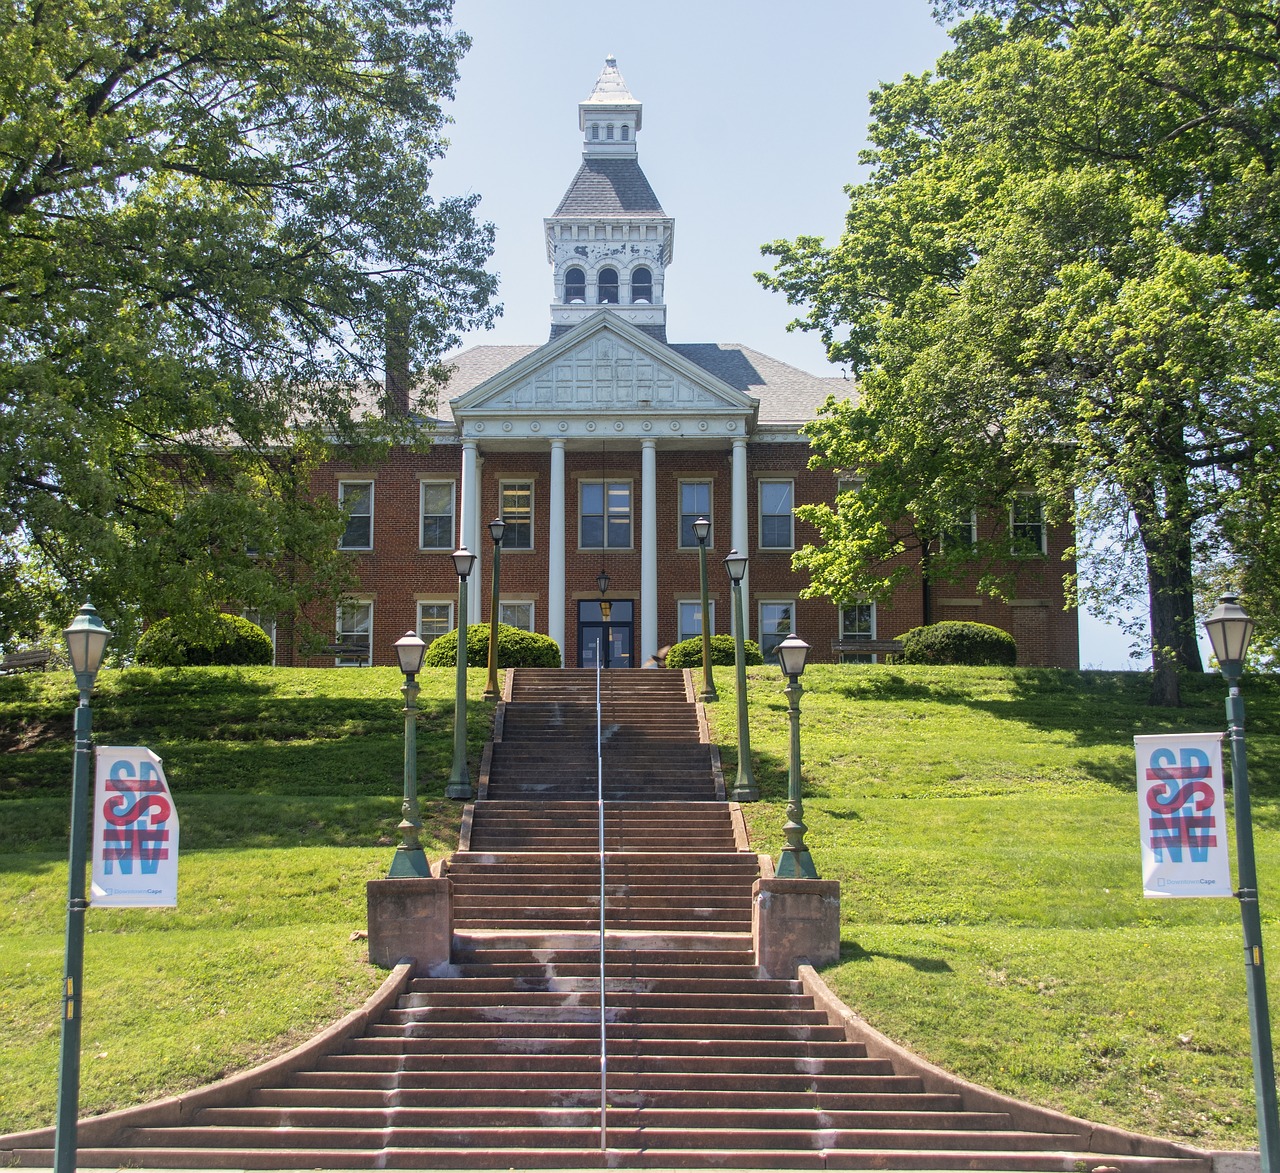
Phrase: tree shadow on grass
pixel 852 951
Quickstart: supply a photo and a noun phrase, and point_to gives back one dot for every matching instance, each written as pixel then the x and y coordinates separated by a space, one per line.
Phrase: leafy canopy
pixel 1060 276
pixel 208 208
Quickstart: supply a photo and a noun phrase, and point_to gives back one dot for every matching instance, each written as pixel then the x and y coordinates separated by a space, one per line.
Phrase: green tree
pixel 208 209
pixel 1060 276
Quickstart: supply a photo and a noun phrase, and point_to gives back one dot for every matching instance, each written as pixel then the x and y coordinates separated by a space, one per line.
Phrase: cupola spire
pixel 609 116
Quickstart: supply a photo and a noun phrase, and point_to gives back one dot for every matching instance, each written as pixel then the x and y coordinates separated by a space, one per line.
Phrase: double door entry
pixel 610 641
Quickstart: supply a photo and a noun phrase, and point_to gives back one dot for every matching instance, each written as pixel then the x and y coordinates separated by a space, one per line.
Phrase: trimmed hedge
pixel 975 644
pixel 516 648
pixel 223 640
pixel 688 652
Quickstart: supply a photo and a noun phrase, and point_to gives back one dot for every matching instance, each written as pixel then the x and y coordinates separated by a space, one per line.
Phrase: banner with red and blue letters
pixel 135 831
pixel 1182 815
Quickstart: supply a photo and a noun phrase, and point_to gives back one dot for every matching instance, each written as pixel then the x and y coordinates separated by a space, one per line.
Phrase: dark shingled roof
pixel 609 187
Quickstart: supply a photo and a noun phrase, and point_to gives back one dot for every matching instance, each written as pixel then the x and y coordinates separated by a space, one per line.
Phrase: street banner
pixel 1182 815
pixel 135 831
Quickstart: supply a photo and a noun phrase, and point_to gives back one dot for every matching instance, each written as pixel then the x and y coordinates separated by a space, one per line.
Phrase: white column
pixel 741 536
pixel 648 549
pixel 555 539
pixel 467 523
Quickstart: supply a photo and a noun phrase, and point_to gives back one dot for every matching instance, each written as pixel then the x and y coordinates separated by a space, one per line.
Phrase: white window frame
pixel 267 623
pixel 854 637
pixel 761 604
pixel 512 482
pixel 1015 524
pixel 709 515
pixel 973 530
pixel 533 616
pixel 631 511
pixel 352 661
pixel 447 604
pixel 791 513
pixel 452 543
pixel 342 492
pixel 696 604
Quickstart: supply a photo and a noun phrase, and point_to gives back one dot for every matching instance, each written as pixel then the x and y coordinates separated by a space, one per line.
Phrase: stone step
pixel 710 989
pixel 769 1061
pixel 583 1038
pixel 638 1001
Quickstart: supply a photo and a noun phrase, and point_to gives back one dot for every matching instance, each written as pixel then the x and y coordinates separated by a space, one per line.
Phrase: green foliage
pixel 220 639
pixel 516 648
pixel 162 407
pixel 688 652
pixel 1074 293
pixel 975 644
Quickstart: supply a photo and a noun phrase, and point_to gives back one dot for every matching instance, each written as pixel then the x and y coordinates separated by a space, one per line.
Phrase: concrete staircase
pixel 494 1062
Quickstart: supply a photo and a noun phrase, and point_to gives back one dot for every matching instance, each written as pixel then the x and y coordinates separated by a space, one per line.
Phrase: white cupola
pixel 609 240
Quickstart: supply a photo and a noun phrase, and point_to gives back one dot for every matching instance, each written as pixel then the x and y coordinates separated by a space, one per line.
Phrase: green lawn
pixel 982 822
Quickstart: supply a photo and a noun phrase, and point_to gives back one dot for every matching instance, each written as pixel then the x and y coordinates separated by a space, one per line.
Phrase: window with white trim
pixel 268 624
pixel 516 613
pixel 604 515
pixel 963 535
pixel 515 507
pixel 777 617
pixel 437 515
pixel 575 285
pixel 695 502
pixel 777 500
pixel 355 499
pixel 641 286
pixel 1026 523
pixel 355 632
pixel 689 618
pixel 607 287
pixel 857 622
pixel 435 618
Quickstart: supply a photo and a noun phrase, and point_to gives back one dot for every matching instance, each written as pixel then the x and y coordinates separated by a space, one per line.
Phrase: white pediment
pixel 603 366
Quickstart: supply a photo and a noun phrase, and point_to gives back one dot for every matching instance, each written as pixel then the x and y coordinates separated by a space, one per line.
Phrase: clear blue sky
pixel 752 128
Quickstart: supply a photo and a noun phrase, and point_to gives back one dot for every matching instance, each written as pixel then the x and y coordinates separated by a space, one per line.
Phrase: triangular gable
pixel 603 365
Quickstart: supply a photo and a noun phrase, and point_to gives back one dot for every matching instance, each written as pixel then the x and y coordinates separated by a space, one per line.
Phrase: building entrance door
pixel 612 639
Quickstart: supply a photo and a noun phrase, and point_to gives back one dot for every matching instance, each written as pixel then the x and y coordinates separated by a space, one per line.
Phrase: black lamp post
pixel 795 861
pixel 702 531
pixel 744 788
pixel 409 859
pixel 86 642
pixel 1230 630
pixel 497 527
pixel 602 584
pixel 459 779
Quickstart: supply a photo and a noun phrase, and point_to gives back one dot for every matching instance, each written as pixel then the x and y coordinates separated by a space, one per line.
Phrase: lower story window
pixel 857 622
pixel 690 619
pixel 268 624
pixel 516 614
pixel 434 620
pixel 777 618
pixel 355 632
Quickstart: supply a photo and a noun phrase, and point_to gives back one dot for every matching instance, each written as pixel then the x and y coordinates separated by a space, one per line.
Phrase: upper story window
pixel 963 534
pixel 626 132
pixel 777 499
pixel 604 519
pixel 695 502
pixel 437 516
pixel 1026 521
pixel 516 509
pixel 355 498
pixel 575 285
pixel 641 286
pixel 595 130
pixel 607 284
pixel 608 131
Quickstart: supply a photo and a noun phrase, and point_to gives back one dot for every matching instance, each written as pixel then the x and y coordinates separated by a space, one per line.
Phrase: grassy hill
pixel 983 824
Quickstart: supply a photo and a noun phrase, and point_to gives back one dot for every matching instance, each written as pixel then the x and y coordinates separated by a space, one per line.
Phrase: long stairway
pixel 496 1062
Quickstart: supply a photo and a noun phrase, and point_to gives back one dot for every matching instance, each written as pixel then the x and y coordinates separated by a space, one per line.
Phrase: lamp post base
pixel 708 696
pixel 795 865
pixel 409 863
pixel 744 790
pixel 459 790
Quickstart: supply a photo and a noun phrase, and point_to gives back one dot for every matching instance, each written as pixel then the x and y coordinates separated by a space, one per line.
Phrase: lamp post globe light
pixel 497 527
pixel 702 531
pixel 459 787
pixel 87 639
pixel 602 584
pixel 409 859
pixel 1230 630
pixel 795 861
pixel 744 787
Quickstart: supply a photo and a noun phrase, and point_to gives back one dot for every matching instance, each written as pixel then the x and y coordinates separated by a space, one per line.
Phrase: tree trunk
pixel 1171 600
pixel 926 585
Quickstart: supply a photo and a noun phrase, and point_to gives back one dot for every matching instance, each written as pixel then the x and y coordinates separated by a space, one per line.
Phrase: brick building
pixel 601 447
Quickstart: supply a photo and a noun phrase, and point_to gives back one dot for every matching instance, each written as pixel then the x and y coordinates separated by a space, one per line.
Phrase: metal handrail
pixel 604 1049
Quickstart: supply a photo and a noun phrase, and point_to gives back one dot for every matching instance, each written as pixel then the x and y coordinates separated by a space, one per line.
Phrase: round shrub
pixel 218 639
pixel 958 643
pixel 688 652
pixel 516 648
